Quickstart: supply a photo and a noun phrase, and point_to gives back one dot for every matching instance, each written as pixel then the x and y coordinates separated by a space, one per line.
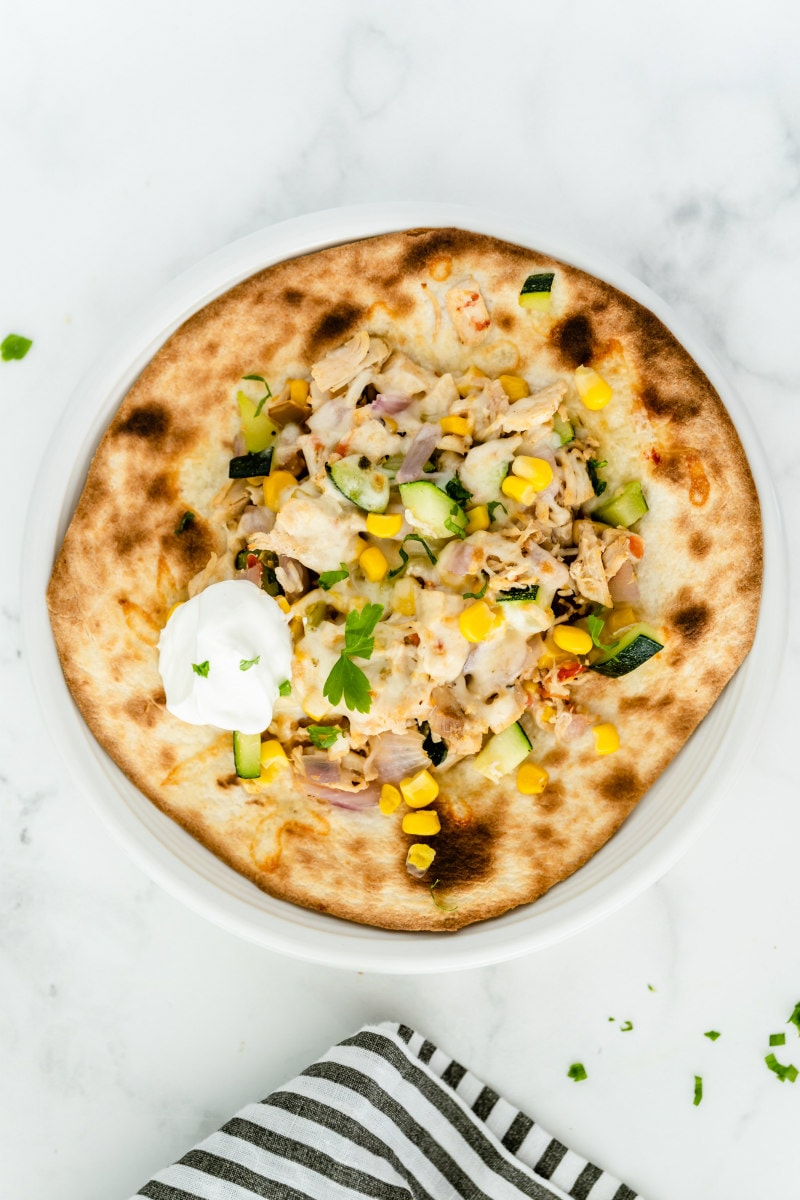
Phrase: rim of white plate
pixel 659 830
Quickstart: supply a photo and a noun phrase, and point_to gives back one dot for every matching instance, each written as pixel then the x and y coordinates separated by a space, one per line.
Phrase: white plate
pixel 658 831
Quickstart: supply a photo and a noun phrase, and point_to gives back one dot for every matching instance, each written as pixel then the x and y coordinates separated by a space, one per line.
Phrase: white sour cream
pixel 226 626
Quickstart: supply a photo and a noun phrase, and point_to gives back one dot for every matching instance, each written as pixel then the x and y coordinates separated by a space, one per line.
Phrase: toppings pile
pixel 450 567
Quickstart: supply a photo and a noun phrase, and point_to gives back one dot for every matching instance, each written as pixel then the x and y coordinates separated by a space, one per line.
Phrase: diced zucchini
pixel 248 466
pixel 484 469
pixel 535 291
pixel 625 507
pixel 564 430
pixel 259 431
pixel 635 646
pixel 432 510
pixel 247 754
pixel 435 750
pixel 361 483
pixel 519 593
pixel 502 753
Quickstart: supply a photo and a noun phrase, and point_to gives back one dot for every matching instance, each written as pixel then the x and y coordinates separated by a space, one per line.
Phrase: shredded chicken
pixel 587 571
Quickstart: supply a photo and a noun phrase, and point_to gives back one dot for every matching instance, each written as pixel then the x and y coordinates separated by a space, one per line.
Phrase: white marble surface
pixel 137 139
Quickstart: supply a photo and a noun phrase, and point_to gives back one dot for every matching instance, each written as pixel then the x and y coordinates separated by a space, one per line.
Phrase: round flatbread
pixel 129 556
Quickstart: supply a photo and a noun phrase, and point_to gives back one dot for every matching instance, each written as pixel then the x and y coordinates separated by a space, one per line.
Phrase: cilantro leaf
pixel 713 1034
pixel 404 558
pixel 186 520
pixel 345 678
pixel 359 628
pixel 263 400
pixel 596 625
pixel 323 736
pixel 577 1072
pixel 201 668
pixel 698 1089
pixel 14 346
pixel 285 688
pixel 593 466
pixel 328 578
pixel 456 491
pixel 789 1071
pixel 246 663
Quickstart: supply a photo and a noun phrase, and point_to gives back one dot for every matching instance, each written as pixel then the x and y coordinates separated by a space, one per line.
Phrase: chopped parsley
pixel 323 736
pixel 411 537
pixel 186 520
pixel 456 491
pixel 285 688
pixel 346 679
pixel 263 400
pixel 789 1071
pixel 650 987
pixel 492 505
pixel 626 1027
pixel 438 903
pixel 246 663
pixel 201 668
pixel 713 1034
pixel 328 578
pixel 777 1039
pixel 477 595
pixel 698 1089
pixel 593 466
pixel 14 346
pixel 577 1072
pixel 794 1019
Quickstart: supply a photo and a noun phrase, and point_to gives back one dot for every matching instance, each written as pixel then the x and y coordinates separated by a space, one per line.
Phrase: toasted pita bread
pixel 123 566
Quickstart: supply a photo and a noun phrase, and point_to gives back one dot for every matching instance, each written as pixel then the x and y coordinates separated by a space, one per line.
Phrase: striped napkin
pixel 383 1114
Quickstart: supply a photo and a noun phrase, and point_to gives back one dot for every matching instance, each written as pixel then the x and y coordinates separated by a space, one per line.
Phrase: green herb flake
pixel 626 1027
pixel 328 578
pixel 456 491
pixel 595 625
pixel 186 520
pixel 650 987
pixel 246 663
pixel 789 1071
pixel 492 505
pixel 454 527
pixel 263 400
pixel 14 346
pixel 346 679
pixel 477 595
pixel 285 688
pixel 777 1039
pixel 712 1035
pixel 201 668
pixel 438 903
pixel 698 1089
pixel 594 466
pixel 794 1019
pixel 404 558
pixel 577 1072
pixel 323 736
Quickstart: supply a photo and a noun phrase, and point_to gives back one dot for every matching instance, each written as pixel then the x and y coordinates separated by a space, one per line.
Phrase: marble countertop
pixel 135 141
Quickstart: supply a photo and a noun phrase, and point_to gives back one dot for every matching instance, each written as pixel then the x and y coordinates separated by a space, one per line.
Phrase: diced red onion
pixel 422 446
pixel 292 576
pixel 624 586
pixel 254 574
pixel 255 519
pixel 387 403
pixel 319 768
pixel 576 727
pixel 239 445
pixel 395 756
pixel 356 801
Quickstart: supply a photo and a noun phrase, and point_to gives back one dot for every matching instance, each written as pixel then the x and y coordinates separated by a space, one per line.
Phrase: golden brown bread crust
pixel 123 566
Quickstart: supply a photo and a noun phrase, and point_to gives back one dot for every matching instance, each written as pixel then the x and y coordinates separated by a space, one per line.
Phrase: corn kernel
pixel 606 739
pixel 274 486
pixel 546 713
pixel 518 489
pixel 618 619
pixel 477 622
pixel 553 655
pixel 462 426
pixel 592 388
pixel 420 789
pixel 574 641
pixel 384 525
pixel 537 471
pixel 532 779
pixel 514 386
pixel 420 856
pixel 422 824
pixel 374 564
pixel 404 598
pixel 299 390
pixel 272 750
pixel 283 604
pixel 477 518
pixel 390 799
pixel 390 424
pixel 469 381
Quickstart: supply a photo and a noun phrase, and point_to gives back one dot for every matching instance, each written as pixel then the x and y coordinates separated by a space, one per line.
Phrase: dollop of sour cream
pixel 223 656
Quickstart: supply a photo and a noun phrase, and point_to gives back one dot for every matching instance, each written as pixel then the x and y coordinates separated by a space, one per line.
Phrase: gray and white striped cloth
pixel 383 1114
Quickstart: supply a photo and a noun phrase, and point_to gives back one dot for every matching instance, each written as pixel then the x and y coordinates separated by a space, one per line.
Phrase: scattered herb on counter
pixel 328 578
pixel 794 1019
pixel 626 1027
pixel 186 520
pixel 777 1039
pixel 438 903
pixel 201 668
pixel 246 663
pixel 577 1072
pixel 789 1071
pixel 323 736
pixel 285 688
pixel 712 1035
pixel 698 1089
pixel 263 400
pixel 14 345
pixel 346 679
pixel 650 987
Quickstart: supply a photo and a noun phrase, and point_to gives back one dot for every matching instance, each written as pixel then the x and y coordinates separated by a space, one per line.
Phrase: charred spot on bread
pixel 150 422
pixel 193 547
pixel 552 797
pixel 293 297
pixel 621 785
pixel 700 544
pixel 691 621
pixel 573 338
pixel 464 853
pixel 161 488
